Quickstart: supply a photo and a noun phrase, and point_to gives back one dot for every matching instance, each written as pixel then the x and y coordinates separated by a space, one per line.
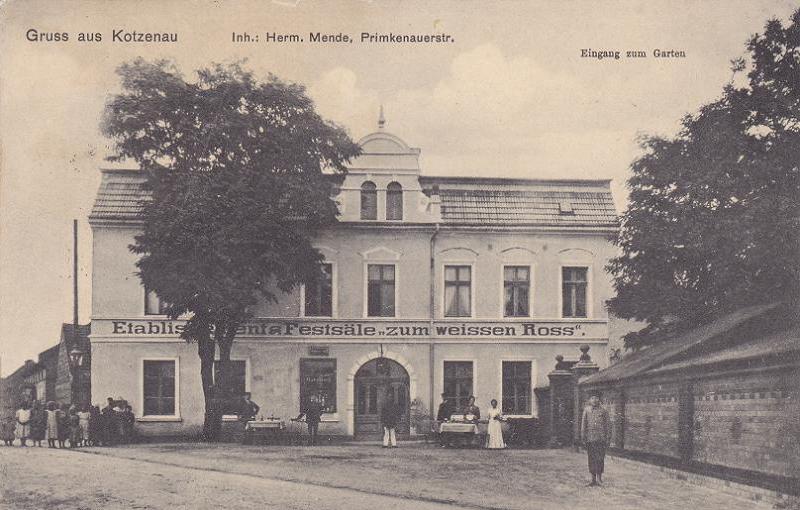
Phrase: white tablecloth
pixel 265 425
pixel 461 428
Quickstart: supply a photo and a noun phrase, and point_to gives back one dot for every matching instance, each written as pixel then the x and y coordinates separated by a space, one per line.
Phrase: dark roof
pixel 49 354
pixel 120 196
pixel 669 349
pixel 71 340
pixel 527 207
pixel 491 200
pixel 782 344
pixel 464 200
pixel 28 367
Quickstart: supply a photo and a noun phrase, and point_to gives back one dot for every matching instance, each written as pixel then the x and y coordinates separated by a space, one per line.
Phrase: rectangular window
pixel 516 289
pixel 573 291
pixel 159 388
pixel 457 291
pixel 458 382
pixel 237 385
pixel 517 387
pixel 153 304
pixel 319 294
pixel 318 379
pixel 380 290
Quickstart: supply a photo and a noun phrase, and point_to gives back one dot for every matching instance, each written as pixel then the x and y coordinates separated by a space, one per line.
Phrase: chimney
pixel 435 204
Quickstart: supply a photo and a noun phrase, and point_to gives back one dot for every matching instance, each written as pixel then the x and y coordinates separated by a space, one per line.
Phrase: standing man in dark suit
pixel 110 423
pixel 390 415
pixel 472 409
pixel 313 413
pixel 595 434
pixel 446 410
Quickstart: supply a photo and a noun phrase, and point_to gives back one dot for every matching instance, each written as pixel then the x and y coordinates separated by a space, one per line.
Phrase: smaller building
pixel 14 389
pixel 51 377
pixel 722 399
pixel 74 384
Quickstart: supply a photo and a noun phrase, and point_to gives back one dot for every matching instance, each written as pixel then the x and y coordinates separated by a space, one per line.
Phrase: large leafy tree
pixel 237 172
pixel 714 216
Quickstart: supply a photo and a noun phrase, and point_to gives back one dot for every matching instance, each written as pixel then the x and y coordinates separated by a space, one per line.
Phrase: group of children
pixel 81 426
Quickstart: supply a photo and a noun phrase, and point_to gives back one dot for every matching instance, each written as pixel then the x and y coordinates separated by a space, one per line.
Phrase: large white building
pixel 454 285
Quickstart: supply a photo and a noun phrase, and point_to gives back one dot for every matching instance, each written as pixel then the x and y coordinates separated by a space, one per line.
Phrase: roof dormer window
pixel 565 207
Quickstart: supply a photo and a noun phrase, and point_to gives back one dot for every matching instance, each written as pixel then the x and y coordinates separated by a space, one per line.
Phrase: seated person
pixel 472 409
pixel 445 411
pixel 248 409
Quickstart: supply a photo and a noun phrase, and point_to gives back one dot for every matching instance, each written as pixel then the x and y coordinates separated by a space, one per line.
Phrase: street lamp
pixel 76 358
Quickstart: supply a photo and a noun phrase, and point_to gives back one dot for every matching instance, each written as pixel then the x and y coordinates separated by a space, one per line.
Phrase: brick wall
pixel 614 402
pixel 749 422
pixel 743 421
pixel 651 419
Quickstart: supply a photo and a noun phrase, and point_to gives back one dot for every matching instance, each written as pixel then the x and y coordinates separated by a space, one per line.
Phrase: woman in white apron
pixel 494 435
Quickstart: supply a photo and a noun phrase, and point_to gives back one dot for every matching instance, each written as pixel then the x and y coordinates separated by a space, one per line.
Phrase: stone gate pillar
pixel 562 393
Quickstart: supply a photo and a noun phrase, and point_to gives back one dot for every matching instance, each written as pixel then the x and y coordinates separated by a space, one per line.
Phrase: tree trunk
pixel 224 342
pixel 214 391
pixel 212 421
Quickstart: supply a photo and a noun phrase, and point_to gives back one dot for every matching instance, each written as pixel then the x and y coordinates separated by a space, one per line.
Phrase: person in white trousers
pixel 390 415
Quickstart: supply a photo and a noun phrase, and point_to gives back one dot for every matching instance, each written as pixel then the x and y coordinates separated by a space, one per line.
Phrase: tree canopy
pixel 238 172
pixel 713 221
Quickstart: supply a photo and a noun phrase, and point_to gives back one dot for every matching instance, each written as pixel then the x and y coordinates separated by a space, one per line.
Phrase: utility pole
pixel 75 277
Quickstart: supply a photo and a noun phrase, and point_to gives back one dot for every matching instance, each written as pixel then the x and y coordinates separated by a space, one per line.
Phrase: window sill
pixel 159 419
pixel 230 417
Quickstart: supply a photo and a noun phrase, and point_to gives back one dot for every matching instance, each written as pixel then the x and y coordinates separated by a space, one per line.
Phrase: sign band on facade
pixel 356 329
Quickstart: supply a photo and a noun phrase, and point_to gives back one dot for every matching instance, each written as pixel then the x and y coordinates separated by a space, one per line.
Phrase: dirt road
pixel 37 479
pixel 199 476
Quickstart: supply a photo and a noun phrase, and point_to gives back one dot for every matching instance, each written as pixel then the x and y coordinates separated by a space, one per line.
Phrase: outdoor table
pixel 458 431
pixel 458 428
pixel 270 430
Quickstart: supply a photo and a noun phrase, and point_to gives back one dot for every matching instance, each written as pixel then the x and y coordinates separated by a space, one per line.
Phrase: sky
pixel 511 96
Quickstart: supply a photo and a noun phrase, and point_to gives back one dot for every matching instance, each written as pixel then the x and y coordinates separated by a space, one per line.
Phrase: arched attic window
pixel 369 201
pixel 394 201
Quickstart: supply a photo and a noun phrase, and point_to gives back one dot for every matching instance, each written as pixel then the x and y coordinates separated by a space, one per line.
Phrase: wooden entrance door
pixel 376 382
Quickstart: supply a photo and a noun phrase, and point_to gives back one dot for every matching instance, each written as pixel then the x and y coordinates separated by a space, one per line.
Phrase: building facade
pixel 463 286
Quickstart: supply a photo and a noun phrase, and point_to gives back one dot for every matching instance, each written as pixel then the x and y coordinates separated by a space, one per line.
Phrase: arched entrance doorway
pixel 376 381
